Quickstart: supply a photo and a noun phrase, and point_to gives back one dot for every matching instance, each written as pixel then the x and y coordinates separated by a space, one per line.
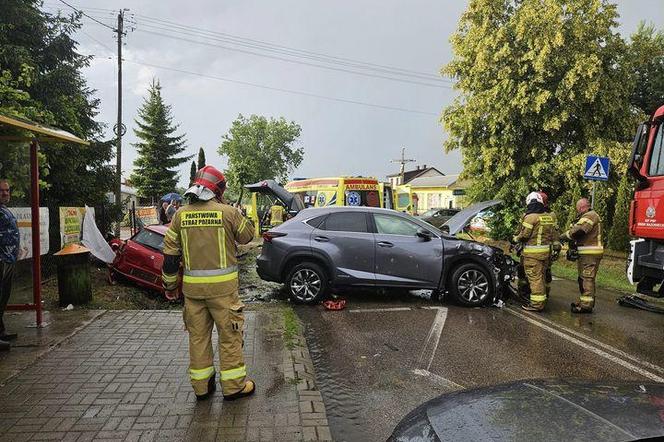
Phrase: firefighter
pixel 536 234
pixel 205 234
pixel 555 244
pixel 277 214
pixel 587 234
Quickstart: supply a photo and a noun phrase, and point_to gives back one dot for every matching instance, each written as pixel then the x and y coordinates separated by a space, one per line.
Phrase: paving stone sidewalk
pixel 124 377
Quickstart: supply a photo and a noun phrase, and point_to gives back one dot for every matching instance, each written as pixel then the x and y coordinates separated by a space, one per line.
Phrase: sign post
pixel 597 169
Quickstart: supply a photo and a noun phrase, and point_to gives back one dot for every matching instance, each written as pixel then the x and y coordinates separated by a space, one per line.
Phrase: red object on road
pixel 336 304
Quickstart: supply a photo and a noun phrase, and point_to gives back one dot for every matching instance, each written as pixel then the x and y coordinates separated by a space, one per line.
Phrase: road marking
pixel 431 343
pixel 390 309
pixel 437 379
pixel 597 343
pixel 587 346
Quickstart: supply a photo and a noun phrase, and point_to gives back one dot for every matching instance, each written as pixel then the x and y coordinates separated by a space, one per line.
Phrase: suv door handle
pixel 385 244
pixel 322 239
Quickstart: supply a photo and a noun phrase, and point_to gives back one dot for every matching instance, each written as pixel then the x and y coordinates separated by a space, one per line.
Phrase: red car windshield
pixel 149 239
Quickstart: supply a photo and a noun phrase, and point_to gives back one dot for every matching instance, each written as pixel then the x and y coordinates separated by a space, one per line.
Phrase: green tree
pixel 201 158
pixel 542 84
pixel 647 61
pixel 258 149
pixel 155 168
pixel 192 172
pixel 41 79
pixel 619 233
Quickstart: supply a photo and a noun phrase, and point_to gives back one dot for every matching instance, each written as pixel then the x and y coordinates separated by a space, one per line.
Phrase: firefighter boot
pixel 248 390
pixel 576 307
pixel 212 387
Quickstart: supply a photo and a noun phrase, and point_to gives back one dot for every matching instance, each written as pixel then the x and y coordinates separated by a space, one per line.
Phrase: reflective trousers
pixel 200 315
pixel 535 269
pixel 587 267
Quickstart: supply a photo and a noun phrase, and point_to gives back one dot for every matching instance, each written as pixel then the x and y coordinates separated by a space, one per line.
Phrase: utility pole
pixel 403 160
pixel 119 128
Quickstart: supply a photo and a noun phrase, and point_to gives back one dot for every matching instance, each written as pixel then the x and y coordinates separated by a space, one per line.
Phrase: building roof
pixel 410 175
pixel 435 181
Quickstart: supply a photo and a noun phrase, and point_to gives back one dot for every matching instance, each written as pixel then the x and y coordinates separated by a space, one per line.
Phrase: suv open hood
pixel 272 188
pixel 459 221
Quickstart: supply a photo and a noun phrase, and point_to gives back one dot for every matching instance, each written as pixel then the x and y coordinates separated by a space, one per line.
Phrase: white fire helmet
pixel 534 197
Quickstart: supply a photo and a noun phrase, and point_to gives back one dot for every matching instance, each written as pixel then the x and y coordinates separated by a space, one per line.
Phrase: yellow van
pixel 338 191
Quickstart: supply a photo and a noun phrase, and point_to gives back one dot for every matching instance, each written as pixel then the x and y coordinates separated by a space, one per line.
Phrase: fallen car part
pixel 640 303
pixel 338 304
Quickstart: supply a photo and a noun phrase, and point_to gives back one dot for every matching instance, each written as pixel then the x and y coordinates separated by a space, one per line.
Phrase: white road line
pixel 597 351
pixel 391 309
pixel 431 343
pixel 437 379
pixel 596 342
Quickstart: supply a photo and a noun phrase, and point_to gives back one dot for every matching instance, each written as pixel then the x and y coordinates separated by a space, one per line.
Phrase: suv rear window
pixel 315 222
pixel 346 222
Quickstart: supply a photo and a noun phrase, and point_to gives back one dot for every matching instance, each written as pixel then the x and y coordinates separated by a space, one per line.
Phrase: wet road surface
pixel 385 354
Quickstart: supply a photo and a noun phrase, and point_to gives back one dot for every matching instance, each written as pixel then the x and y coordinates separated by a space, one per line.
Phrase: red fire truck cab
pixel 645 266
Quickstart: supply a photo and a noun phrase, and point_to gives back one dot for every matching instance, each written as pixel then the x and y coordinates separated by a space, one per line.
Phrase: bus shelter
pixel 20 130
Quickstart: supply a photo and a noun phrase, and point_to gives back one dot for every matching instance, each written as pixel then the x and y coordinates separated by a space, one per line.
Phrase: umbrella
pixel 171 196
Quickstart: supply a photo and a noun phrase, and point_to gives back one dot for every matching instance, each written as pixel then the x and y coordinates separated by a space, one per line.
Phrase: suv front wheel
pixel 470 285
pixel 307 283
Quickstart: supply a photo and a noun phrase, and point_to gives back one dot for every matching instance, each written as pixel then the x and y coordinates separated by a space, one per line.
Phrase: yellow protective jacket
pixel 277 213
pixel 539 233
pixel 587 232
pixel 205 234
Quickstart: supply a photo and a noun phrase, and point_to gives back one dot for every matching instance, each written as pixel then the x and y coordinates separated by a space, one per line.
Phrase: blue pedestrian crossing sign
pixel 597 168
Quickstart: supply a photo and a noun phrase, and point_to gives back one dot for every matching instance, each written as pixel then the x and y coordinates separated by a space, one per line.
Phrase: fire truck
pixel 645 265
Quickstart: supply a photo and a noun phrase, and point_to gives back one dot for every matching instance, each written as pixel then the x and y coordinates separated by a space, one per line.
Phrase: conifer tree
pixel 159 149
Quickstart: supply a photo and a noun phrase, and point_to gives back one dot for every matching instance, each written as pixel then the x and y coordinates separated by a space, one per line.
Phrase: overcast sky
pixel 339 138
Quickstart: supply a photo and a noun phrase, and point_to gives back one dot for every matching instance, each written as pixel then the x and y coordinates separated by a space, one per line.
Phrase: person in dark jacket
pixel 9 247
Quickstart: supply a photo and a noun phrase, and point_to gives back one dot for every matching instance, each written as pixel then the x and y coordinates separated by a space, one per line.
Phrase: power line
pixel 86 15
pixel 297 61
pixel 290 53
pixel 289 91
pixel 285 49
pixel 95 40
pixel 271 48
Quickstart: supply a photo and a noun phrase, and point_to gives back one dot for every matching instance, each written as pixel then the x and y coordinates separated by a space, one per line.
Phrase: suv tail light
pixel 269 236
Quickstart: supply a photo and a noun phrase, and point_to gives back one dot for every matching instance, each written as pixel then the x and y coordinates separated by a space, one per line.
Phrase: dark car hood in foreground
pixel 271 187
pixel 549 410
pixel 461 219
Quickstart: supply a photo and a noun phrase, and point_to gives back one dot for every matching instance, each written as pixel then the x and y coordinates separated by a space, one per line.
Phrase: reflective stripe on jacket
pixel 538 232
pixel 587 232
pixel 206 234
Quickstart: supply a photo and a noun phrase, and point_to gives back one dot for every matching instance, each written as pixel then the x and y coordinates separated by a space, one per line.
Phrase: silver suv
pixel 370 247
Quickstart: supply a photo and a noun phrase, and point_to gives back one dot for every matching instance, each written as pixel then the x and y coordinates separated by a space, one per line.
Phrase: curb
pixel 299 369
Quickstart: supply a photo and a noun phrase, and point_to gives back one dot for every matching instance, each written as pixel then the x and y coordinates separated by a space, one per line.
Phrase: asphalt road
pixel 384 355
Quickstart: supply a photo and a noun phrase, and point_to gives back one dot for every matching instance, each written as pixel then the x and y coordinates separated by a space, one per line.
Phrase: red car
pixel 139 259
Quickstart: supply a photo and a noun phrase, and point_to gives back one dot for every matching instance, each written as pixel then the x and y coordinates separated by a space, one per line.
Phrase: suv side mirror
pixel 424 234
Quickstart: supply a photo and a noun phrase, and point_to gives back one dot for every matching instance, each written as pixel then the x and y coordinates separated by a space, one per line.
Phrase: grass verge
pixel 291 327
pixel 611 274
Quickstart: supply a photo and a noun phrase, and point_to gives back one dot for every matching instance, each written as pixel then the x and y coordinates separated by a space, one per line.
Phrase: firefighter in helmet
pixel 536 234
pixel 587 234
pixel 204 235
pixel 555 244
